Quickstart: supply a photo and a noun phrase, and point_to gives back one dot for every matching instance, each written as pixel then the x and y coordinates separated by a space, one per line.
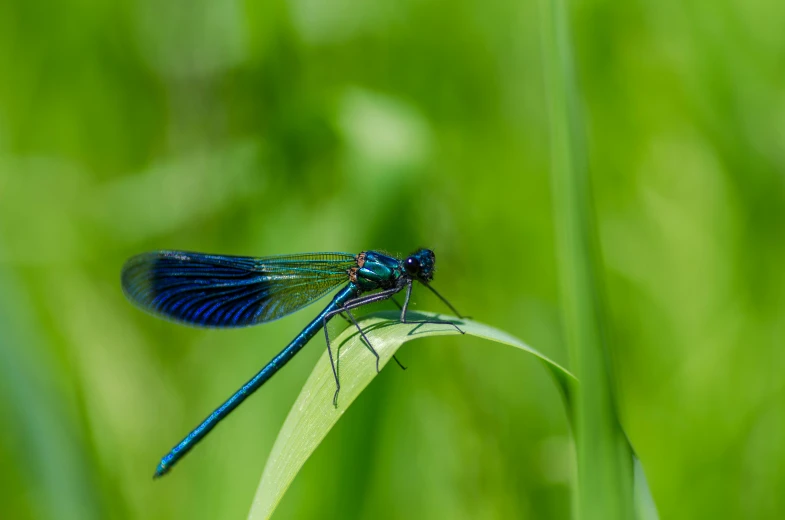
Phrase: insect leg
pixel 352 304
pixel 442 298
pixel 405 308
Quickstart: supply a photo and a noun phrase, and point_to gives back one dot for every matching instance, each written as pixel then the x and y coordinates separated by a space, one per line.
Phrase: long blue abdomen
pixel 347 293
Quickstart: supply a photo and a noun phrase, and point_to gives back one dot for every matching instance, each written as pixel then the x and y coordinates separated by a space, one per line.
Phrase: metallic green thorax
pixel 376 270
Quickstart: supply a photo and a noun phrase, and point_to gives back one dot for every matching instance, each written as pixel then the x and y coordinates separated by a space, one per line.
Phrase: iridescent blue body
pixel 230 291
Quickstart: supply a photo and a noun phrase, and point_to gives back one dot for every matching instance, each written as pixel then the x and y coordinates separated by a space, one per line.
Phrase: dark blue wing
pixel 230 291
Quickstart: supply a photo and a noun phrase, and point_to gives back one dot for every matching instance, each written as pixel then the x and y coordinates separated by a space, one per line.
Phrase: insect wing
pixel 230 291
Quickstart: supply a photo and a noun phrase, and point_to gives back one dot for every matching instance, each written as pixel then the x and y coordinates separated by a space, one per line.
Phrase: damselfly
pixel 236 291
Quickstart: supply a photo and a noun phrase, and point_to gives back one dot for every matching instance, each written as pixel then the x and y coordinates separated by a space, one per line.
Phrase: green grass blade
pixel 50 452
pixel 313 414
pixel 605 476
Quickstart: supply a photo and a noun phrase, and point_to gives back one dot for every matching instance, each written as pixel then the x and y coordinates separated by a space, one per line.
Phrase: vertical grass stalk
pixel 604 488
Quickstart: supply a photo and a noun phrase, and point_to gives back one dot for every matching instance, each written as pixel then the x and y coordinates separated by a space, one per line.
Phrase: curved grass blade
pixel 312 415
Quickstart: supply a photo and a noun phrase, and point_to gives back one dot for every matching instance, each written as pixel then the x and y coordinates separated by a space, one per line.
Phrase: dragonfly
pixel 222 291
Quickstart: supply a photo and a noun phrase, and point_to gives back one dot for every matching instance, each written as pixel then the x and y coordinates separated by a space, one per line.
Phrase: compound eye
pixel 412 266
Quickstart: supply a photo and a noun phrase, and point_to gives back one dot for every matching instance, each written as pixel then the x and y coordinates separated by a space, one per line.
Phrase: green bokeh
pixel 268 127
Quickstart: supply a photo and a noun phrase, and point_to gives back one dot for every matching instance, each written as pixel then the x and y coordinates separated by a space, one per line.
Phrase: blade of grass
pixel 51 455
pixel 313 415
pixel 605 489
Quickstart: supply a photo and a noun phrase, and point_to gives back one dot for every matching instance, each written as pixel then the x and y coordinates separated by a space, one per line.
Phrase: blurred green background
pixel 273 127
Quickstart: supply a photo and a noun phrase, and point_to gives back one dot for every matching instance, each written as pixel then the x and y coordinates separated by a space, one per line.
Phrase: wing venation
pixel 230 291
